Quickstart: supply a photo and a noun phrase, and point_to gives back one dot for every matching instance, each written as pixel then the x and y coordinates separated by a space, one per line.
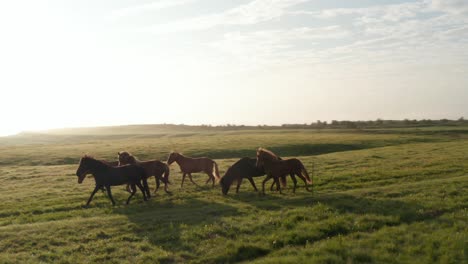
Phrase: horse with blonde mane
pixel 194 165
pixel 276 169
pixel 155 168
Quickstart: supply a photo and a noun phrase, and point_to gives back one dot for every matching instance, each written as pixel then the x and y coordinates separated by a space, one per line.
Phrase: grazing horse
pixel 193 165
pixel 275 168
pixel 107 176
pixel 244 168
pixel 155 168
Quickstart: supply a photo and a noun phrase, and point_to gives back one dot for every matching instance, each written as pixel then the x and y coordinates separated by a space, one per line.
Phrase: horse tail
pixel 304 172
pixel 166 173
pixel 216 170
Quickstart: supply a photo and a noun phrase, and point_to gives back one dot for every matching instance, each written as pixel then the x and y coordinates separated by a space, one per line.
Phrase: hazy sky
pixel 71 63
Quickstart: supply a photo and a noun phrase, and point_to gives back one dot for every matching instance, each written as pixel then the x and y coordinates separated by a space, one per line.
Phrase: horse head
pixel 226 181
pixel 172 157
pixel 124 157
pixel 84 168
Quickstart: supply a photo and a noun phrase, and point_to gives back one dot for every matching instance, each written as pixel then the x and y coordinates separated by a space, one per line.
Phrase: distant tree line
pixel 379 123
pixel 334 124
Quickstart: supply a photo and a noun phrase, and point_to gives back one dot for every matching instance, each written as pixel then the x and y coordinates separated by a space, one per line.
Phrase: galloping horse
pixel 155 168
pixel 275 168
pixel 244 168
pixel 107 176
pixel 193 165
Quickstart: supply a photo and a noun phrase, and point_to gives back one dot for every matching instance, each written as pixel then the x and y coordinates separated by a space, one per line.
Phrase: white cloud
pixel 406 34
pixel 248 51
pixel 254 12
pixel 155 5
pixel 392 13
pixel 451 6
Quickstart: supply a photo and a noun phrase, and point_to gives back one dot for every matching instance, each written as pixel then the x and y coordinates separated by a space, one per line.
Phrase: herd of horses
pixel 130 171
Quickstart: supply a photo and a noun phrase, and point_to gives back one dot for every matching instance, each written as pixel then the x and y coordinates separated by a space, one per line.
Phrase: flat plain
pixel 379 196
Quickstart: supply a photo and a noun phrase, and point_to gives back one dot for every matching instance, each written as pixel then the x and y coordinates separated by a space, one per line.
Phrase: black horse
pixel 107 176
pixel 243 168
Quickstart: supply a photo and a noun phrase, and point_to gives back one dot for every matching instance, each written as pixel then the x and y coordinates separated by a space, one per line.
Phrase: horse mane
pixel 132 157
pixel 228 175
pixel 129 156
pixel 100 162
pixel 177 154
pixel 268 152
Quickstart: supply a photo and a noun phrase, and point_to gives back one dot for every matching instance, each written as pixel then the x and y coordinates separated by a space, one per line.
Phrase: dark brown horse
pixel 107 176
pixel 193 165
pixel 155 168
pixel 276 169
pixel 244 168
pixel 113 164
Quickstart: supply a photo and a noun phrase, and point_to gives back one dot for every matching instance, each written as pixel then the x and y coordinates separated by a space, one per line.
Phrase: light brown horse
pixel 155 168
pixel 276 169
pixel 193 165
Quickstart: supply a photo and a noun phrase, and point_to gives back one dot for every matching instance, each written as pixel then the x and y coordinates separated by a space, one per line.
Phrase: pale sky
pixel 79 63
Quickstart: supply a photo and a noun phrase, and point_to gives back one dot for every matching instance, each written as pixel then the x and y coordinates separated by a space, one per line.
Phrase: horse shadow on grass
pixel 406 212
pixel 164 222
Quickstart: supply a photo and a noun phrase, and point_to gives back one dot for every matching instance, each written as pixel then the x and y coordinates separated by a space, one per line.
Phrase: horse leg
pixel 190 177
pixel 183 179
pixel 128 188
pixel 212 178
pixel 109 193
pixel 253 183
pixel 209 178
pixel 268 177
pixel 278 185
pixel 271 187
pixel 294 182
pixel 145 185
pixel 305 181
pixel 165 179
pixel 239 181
pixel 138 183
pixel 132 193
pixel 93 193
pixel 156 179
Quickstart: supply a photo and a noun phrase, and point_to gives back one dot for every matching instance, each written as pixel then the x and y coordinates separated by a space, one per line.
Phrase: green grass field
pixel 380 196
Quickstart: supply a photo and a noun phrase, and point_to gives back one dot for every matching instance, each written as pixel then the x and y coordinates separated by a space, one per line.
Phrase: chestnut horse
pixel 193 165
pixel 275 168
pixel 107 176
pixel 155 168
pixel 244 168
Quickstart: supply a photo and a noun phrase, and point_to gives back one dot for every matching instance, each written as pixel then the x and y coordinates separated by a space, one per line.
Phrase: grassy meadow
pixel 380 196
